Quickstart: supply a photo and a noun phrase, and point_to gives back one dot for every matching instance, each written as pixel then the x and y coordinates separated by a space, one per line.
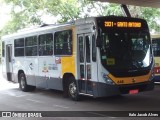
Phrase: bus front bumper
pixel 112 90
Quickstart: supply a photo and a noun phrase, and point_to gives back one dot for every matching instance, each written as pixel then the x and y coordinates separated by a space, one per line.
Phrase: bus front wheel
pixel 72 89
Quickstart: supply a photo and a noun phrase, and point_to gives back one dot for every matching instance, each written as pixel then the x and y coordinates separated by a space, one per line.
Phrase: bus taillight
pixel 156 70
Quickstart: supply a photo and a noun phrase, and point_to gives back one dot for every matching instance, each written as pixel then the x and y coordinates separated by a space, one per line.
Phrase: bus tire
pixel 72 89
pixel 22 83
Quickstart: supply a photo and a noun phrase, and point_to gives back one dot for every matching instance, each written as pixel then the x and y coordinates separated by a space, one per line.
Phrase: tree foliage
pixel 26 13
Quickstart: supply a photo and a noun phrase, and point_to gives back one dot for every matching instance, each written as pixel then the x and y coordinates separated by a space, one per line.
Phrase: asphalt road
pixel 12 99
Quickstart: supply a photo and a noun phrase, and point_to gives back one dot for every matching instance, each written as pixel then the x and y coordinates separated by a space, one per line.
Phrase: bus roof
pixel 41 28
pixel 48 27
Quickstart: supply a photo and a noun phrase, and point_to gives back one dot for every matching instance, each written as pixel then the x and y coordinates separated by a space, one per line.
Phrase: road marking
pixel 97 114
pixel 113 117
pixel 61 106
pixel 34 101
pixel 14 94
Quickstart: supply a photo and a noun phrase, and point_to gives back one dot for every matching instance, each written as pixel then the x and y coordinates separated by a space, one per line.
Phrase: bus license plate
pixel 133 91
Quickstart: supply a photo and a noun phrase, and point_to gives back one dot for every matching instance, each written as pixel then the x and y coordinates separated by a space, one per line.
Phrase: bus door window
pixel 81 57
pixel 88 49
pixel 88 60
pixel 88 83
pixel 9 53
pixel 93 48
pixel 3 49
pixel 84 48
pixel 9 62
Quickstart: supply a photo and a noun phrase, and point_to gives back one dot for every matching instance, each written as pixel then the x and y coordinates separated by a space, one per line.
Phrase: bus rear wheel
pixel 72 89
pixel 23 84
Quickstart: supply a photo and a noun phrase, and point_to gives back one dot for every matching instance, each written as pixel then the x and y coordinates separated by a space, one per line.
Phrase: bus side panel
pixel 28 66
pixel 49 73
pixel 4 68
pixel 18 65
pixel 31 68
pixel 68 65
pixel 69 62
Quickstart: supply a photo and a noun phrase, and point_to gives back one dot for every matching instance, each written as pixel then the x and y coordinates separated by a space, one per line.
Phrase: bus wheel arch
pixel 70 88
pixel 23 83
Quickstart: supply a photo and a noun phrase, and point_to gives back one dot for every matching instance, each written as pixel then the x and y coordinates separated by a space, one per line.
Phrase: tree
pixel 26 13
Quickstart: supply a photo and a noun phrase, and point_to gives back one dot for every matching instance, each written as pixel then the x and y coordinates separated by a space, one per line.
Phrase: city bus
pixel 95 56
pixel 156 52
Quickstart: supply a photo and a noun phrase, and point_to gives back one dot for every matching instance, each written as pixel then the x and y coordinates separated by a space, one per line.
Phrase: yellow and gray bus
pixel 96 56
pixel 156 51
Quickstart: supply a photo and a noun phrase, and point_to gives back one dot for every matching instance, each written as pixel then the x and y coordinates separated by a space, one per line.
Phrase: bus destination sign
pixel 122 24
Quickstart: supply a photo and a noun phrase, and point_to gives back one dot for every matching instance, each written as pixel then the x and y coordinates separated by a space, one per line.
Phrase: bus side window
pixel 63 42
pixel 19 47
pixel 31 46
pixel 45 44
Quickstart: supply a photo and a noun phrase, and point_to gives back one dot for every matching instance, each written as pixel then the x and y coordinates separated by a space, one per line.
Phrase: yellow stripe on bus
pixel 130 80
pixel 68 65
pixel 68 62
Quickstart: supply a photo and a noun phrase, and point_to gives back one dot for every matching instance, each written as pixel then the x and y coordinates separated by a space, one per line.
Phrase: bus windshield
pixel 124 51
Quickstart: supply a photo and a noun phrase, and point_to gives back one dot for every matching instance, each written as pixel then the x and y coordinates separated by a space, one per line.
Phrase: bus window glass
pixel 156 47
pixel 93 49
pixel 125 50
pixel 82 75
pixel 81 50
pixel 87 49
pixel 19 42
pixel 63 43
pixel 45 45
pixel 31 46
pixel 88 72
pixel 19 47
pixel 3 49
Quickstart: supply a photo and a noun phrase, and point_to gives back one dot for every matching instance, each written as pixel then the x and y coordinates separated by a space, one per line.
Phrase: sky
pixel 4 14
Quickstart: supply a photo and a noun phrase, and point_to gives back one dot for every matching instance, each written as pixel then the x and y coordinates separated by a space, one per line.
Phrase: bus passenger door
pixel 9 67
pixel 84 60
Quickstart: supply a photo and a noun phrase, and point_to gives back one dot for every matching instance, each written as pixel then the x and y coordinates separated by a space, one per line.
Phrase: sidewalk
pixel 4 84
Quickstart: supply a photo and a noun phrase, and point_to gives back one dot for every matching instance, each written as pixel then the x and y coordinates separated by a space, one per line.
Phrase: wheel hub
pixel 22 82
pixel 72 89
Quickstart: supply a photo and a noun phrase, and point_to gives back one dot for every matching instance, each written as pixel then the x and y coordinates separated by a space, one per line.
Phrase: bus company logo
pixel 58 60
pixel 6 114
pixel 45 67
pixel 133 80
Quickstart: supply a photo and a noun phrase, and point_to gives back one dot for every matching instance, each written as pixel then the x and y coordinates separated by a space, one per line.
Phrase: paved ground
pixel 12 99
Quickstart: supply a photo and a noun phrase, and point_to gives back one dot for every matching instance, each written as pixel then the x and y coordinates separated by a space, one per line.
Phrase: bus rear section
pixel 156 51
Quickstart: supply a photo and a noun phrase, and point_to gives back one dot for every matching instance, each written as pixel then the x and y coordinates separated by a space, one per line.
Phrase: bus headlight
pixel 107 79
